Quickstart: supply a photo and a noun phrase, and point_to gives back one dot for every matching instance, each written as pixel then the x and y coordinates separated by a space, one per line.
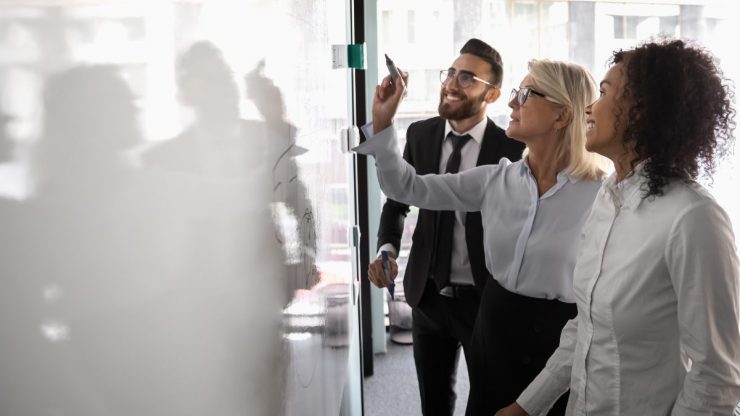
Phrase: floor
pixel 393 389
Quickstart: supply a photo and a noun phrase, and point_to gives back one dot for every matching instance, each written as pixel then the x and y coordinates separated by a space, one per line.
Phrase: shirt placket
pixel 609 212
pixel 521 243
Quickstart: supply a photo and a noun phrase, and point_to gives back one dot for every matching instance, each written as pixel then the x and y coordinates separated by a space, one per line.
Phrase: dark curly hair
pixel 682 117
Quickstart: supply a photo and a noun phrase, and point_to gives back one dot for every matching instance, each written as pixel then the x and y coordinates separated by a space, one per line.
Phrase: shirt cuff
pixel 390 249
pixel 542 393
pixel 385 140
pixel 368 130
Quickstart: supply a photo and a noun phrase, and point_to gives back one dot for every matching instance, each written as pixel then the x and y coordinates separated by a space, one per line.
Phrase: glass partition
pixel 176 209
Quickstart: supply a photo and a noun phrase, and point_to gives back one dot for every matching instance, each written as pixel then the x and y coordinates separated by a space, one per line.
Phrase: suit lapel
pixel 490 147
pixel 438 135
pixel 492 139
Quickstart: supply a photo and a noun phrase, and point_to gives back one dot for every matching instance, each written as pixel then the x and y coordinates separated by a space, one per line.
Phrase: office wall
pixel 175 209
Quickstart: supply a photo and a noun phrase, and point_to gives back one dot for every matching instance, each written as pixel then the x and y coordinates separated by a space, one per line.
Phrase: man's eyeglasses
pixel 464 78
pixel 521 95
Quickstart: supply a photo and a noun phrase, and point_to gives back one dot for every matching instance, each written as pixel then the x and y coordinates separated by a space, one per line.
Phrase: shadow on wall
pixel 6 144
pixel 220 144
pixel 127 291
pixel 177 281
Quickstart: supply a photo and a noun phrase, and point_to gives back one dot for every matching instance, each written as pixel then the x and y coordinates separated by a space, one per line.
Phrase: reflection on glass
pixel 175 208
pixel 6 142
pixel 89 121
pixel 215 142
pixel 55 331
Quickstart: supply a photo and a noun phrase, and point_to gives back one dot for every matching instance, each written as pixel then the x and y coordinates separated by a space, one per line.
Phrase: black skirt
pixel 513 338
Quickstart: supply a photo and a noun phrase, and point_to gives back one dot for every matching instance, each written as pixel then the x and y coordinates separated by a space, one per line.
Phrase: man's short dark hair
pixel 486 52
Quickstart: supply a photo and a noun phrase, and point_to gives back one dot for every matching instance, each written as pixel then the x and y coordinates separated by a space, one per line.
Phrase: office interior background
pixel 183 229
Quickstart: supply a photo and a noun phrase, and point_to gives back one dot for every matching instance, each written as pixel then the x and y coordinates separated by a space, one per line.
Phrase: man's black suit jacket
pixel 423 151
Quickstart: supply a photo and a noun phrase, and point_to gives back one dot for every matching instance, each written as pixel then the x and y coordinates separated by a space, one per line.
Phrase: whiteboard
pixel 176 209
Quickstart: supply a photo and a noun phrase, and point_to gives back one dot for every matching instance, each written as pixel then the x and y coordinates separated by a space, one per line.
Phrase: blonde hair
pixel 573 87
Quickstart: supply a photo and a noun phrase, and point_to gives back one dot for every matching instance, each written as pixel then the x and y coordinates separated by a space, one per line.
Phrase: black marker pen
pixel 394 71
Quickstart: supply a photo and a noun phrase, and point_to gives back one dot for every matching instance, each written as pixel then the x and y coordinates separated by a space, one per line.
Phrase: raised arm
pixel 458 192
pixel 451 192
pixel 393 216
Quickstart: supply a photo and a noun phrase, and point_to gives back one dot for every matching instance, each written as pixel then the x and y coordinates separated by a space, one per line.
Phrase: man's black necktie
pixel 446 221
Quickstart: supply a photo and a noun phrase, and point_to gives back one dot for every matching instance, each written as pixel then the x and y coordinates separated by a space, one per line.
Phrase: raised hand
pixel 387 97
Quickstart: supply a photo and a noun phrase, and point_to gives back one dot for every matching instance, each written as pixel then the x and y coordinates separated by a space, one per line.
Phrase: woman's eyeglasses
pixel 464 78
pixel 521 95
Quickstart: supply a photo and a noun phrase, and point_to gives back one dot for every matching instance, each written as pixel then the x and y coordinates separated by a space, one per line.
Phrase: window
pixel 411 26
pixel 625 27
pixel 585 32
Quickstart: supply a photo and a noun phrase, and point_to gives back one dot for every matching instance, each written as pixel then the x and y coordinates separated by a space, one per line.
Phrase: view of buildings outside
pixel 424 36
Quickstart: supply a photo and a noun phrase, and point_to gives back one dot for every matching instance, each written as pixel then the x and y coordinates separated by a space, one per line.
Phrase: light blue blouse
pixel 530 241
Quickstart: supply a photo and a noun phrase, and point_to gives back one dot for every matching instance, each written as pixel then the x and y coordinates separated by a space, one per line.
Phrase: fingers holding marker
pixel 376 274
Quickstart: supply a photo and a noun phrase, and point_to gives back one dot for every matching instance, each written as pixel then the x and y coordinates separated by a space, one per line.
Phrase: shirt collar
pixel 627 192
pixel 476 132
pixel 562 175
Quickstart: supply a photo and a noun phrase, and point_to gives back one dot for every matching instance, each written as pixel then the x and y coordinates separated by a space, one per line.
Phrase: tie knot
pixel 458 141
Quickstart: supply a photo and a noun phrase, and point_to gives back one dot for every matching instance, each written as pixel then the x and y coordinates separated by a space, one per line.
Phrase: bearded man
pixel 446 270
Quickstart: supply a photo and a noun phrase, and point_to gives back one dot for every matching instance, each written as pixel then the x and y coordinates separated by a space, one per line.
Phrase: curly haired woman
pixel 656 279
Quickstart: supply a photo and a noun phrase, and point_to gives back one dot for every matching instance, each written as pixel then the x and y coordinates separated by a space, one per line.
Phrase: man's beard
pixel 469 108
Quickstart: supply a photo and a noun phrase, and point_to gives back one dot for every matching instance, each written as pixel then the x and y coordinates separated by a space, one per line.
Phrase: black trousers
pixel 513 338
pixel 441 325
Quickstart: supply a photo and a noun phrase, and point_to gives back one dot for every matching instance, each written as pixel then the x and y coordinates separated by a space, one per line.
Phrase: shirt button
pixel 526 360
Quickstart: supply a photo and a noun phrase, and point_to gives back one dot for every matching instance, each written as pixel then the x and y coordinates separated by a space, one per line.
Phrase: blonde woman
pixel 532 211
pixel 657 279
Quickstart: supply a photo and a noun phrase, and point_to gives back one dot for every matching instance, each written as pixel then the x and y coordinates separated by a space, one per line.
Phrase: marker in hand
pixel 387 271
pixel 394 72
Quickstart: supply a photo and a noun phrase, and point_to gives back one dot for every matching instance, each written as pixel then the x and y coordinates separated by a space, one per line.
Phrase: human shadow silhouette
pixel 218 143
pixel 79 257
pixel 290 197
pixel 122 293
pixel 213 144
pixel 6 144
pixel 90 121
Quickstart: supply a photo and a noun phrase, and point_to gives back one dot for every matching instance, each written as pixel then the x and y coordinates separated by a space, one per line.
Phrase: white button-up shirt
pixel 657 330
pixel 516 220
